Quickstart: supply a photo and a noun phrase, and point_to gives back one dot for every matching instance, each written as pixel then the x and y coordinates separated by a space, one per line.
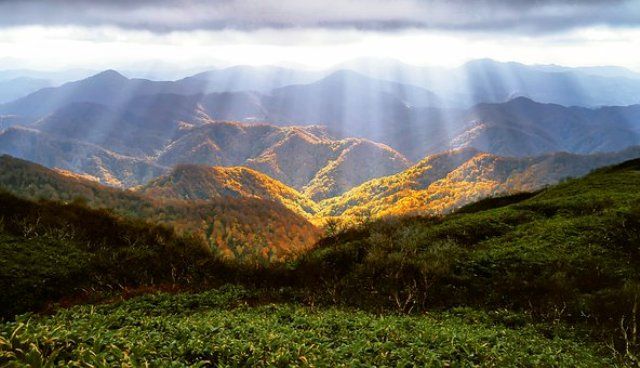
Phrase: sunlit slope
pixel 572 248
pixel 304 158
pixel 198 182
pixel 379 194
pixel 247 227
pixel 440 183
pixel 359 161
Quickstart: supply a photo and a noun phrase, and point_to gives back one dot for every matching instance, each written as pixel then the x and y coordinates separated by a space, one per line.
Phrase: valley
pixel 357 215
pixel 485 255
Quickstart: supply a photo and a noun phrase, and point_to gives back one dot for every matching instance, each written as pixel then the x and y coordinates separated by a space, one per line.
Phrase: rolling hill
pixel 547 278
pixel 443 182
pixel 238 225
pixel 126 149
pixel 295 156
pixel 570 247
pixel 197 182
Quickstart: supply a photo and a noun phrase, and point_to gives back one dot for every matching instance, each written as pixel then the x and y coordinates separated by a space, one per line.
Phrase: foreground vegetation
pixel 229 327
pixel 522 268
pixel 50 251
pixel 573 247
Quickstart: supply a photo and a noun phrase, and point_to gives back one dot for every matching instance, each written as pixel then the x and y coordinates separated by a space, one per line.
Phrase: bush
pixel 49 250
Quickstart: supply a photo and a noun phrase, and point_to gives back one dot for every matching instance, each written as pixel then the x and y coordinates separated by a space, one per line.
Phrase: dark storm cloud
pixel 525 16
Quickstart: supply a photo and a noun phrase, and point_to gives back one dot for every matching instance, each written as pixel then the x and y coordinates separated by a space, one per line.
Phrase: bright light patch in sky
pixel 57 47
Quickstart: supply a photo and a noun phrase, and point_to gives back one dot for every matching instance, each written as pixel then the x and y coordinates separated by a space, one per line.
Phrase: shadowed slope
pixel 196 182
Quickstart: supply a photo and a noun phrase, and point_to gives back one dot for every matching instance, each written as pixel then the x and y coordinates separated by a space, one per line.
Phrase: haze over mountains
pixel 443 109
pixel 326 134
pixel 254 159
pixel 486 80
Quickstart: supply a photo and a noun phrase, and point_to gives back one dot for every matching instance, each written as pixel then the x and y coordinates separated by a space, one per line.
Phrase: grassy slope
pixel 570 250
pixel 219 328
pixel 567 255
pixel 50 251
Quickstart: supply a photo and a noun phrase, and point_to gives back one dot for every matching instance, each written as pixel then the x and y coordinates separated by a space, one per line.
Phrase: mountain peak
pixel 109 74
pixel 521 100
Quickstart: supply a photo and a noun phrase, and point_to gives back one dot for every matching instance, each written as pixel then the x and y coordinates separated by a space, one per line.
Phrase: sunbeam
pixel 295 183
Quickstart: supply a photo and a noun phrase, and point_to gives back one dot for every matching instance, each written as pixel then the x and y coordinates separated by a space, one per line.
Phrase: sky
pixel 193 34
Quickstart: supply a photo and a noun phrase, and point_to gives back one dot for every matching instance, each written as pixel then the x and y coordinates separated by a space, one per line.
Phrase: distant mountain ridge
pixel 522 127
pixel 477 81
pixel 491 81
pixel 348 103
pixel 124 132
pixel 126 149
pixel 15 88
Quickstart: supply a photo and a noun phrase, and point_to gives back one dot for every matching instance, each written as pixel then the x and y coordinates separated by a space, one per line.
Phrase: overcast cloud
pixel 139 34
pixel 523 16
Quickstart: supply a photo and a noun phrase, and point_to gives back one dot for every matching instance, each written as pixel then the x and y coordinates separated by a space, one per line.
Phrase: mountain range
pixel 409 117
pixel 14 88
pixel 477 81
pixel 439 183
pixel 291 180
pixel 328 143
pixel 146 136
pixel 125 154
pixel 490 81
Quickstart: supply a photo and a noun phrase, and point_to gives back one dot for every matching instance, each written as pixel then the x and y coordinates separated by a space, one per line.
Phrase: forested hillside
pixel 241 227
pixel 444 182
pixel 198 182
pixel 568 252
pixel 51 251
pixel 559 266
